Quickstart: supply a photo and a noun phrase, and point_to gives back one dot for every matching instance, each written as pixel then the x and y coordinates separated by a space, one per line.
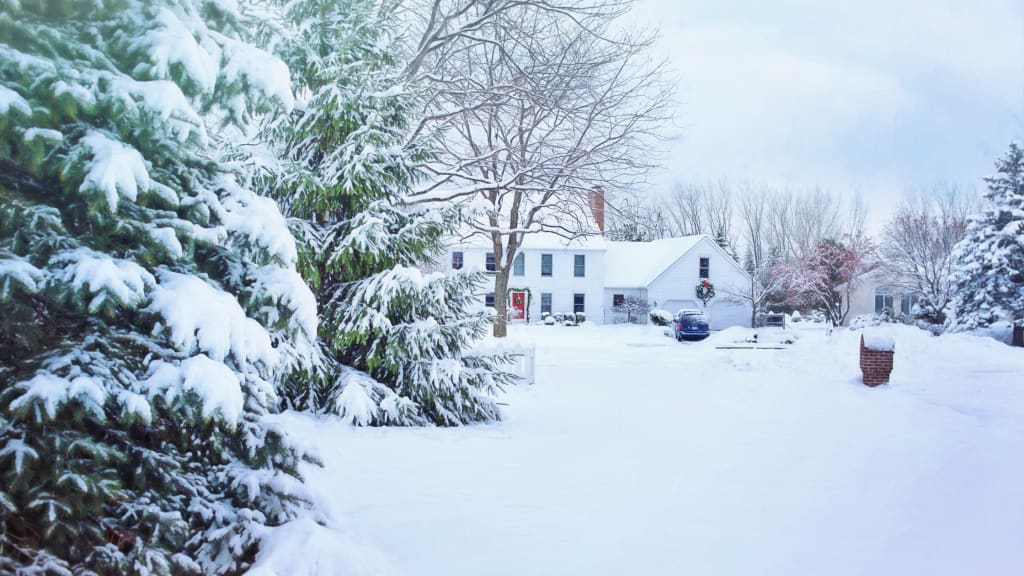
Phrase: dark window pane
pixel 580 266
pixel 705 268
pixel 545 264
pixel 545 302
pixel 456 260
pixel 578 303
pixel 618 299
pixel 490 262
pixel 489 300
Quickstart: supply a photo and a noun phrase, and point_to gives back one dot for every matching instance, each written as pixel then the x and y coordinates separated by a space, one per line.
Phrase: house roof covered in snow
pixel 637 264
pixel 540 241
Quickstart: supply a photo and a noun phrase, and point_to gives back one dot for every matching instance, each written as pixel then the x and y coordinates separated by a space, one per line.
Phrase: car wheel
pixel 679 337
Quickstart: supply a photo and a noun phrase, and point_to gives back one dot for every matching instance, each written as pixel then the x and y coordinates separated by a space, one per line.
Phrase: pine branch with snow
pixel 151 302
pixel 393 340
pixel 989 261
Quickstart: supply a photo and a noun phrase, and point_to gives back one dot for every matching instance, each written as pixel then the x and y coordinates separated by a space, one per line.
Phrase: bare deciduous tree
pixel 539 106
pixel 634 307
pixel 917 245
pixel 828 275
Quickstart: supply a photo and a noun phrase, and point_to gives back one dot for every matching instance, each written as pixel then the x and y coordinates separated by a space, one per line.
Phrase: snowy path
pixel 635 454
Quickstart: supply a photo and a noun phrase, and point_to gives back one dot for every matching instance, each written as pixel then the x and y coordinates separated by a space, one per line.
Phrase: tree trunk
pixel 501 301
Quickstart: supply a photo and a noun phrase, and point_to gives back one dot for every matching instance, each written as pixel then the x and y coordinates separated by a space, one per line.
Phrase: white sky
pixel 869 95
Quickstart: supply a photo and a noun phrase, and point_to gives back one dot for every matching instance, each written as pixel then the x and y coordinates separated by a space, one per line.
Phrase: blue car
pixel 692 324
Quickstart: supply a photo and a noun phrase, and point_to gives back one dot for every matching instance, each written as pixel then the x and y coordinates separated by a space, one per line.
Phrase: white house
pixel 591 275
pixel 550 275
pixel 666 273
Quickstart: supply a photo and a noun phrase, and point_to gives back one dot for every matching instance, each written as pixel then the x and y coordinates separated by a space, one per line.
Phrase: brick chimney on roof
pixel 596 201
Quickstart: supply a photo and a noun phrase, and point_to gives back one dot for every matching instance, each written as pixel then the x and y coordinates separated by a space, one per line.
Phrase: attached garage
pixel 669 270
pixel 725 314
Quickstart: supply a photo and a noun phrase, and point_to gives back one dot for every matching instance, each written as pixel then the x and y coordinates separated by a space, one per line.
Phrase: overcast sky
pixel 875 95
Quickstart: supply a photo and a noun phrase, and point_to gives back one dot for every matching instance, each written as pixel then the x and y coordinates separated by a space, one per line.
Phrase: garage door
pixel 675 306
pixel 726 314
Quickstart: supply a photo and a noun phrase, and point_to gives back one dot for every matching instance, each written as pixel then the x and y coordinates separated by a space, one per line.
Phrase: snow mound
pixel 740 335
pixel 304 548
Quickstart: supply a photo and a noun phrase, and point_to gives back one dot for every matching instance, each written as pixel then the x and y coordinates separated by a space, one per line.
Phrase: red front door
pixel 518 305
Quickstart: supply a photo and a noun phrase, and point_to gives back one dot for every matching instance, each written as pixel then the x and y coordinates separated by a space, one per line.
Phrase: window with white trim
pixel 519 265
pixel 883 299
pixel 545 264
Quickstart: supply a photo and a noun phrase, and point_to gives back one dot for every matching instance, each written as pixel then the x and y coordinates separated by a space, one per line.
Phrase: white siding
pixel 676 286
pixel 610 316
pixel 562 284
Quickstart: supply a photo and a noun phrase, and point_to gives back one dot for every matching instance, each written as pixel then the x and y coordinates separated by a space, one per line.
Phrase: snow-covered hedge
pixel 661 317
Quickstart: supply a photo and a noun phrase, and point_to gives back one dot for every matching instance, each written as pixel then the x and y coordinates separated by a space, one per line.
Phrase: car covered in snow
pixel 691 324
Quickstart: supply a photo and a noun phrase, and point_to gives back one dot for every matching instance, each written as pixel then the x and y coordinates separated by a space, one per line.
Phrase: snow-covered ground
pixel 636 454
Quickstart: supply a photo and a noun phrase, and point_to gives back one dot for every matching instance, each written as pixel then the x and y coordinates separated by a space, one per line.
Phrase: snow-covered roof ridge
pixel 637 264
pixel 534 240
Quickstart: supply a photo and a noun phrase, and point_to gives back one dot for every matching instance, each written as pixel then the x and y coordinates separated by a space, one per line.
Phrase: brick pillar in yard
pixel 875 365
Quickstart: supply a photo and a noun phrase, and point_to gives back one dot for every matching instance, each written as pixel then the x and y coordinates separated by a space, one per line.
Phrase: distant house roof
pixel 637 264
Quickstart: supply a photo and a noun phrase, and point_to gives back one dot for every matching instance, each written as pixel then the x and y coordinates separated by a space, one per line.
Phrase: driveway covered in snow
pixel 635 454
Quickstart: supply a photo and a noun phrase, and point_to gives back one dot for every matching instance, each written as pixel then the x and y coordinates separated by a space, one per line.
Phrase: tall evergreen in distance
pixel 151 304
pixel 393 337
pixel 989 270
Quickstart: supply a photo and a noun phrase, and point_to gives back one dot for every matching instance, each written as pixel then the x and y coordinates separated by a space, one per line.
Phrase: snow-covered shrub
pixel 150 301
pixel 795 316
pixel 868 320
pixel 661 317
pixel 580 317
pixel 549 320
pixel 344 181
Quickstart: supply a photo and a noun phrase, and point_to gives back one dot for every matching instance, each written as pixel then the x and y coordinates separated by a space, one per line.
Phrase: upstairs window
pixel 705 268
pixel 456 260
pixel 579 266
pixel 490 262
pixel 545 264
pixel 519 265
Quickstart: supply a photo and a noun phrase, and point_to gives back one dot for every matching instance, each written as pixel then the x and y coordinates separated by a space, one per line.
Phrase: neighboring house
pixel 591 275
pixel 874 295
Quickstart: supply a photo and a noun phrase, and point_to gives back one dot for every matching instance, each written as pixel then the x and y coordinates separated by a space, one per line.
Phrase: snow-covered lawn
pixel 635 454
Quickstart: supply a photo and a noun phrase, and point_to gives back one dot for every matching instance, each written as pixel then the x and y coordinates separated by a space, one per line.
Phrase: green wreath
pixel 705 291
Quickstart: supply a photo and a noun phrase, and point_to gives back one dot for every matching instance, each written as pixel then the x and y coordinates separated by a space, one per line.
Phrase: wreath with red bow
pixel 705 291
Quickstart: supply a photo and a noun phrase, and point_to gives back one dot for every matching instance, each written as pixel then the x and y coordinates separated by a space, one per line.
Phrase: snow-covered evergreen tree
pixel 150 303
pixel 989 273
pixel 393 336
